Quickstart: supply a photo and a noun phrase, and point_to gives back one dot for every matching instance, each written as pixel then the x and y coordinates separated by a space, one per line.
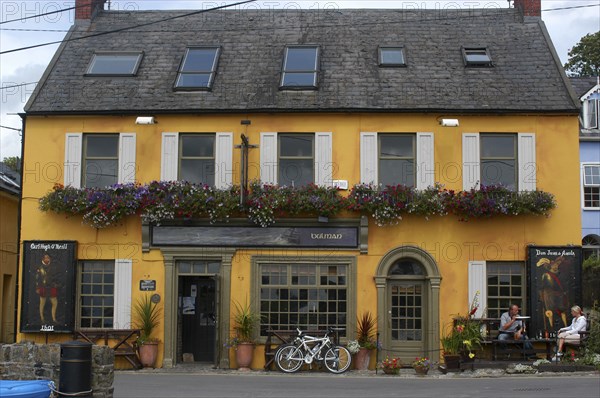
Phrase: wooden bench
pixel 512 349
pixel 122 341
pixel 276 338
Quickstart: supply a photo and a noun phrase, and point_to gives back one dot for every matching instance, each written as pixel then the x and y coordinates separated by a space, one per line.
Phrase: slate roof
pixel 9 180
pixel 581 85
pixel 526 76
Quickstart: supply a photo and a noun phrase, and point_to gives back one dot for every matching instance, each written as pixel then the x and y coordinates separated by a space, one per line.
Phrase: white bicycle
pixel 308 349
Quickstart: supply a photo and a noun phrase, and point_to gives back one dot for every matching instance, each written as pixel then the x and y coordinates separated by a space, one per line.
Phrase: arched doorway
pixel 408 282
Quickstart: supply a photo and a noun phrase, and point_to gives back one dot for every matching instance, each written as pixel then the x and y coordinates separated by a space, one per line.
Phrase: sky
pixel 566 20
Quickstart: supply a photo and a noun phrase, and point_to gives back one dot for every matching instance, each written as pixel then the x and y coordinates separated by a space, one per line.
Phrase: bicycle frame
pixel 308 344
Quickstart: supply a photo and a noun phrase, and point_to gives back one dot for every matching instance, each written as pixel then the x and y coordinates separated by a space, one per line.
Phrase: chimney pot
pixel 530 8
pixel 87 9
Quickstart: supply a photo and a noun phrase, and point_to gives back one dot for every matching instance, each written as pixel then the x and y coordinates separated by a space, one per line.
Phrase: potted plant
pixel 462 338
pixel 390 366
pixel 365 332
pixel 147 318
pixel 245 321
pixel 421 365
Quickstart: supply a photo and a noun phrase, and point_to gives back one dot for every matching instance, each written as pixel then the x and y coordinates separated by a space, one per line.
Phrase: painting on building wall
pixel 554 286
pixel 48 293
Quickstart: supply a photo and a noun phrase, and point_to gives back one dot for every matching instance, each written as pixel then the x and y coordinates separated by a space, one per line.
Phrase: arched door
pixel 407 283
pixel 407 303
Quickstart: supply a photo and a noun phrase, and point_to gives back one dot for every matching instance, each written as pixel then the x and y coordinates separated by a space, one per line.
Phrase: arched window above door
pixel 406 267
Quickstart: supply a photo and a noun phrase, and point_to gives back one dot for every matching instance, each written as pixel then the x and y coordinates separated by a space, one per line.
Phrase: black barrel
pixel 75 369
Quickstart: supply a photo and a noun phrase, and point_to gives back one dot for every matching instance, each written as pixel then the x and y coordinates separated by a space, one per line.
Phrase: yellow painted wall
pixel 9 216
pixel 452 243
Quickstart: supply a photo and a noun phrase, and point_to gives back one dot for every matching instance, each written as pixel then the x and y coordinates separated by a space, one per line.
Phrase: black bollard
pixel 75 369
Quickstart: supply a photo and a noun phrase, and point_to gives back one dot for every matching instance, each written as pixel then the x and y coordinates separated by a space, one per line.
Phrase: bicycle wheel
pixel 337 359
pixel 289 358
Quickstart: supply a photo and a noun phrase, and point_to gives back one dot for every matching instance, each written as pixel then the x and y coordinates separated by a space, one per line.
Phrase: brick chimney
pixel 87 9
pixel 530 8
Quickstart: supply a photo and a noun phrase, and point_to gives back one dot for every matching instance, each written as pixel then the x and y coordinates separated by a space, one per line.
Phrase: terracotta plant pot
pixel 362 359
pixel 243 355
pixel 148 353
pixel 390 371
pixel 421 370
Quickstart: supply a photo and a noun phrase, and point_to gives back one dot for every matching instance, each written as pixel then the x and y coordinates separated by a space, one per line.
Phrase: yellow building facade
pixel 446 248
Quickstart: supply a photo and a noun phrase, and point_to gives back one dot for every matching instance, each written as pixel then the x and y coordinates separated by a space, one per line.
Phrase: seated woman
pixel 571 333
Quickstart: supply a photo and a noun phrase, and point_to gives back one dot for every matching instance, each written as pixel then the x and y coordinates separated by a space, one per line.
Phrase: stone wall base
pixel 28 361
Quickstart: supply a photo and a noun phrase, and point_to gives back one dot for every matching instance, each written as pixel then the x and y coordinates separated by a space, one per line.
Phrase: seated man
pixel 513 328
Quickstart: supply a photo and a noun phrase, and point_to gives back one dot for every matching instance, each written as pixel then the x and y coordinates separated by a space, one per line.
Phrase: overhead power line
pixel 17 85
pixel 129 27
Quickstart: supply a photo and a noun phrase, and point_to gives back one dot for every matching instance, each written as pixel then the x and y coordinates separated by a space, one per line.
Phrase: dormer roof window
pixel 391 56
pixel 198 68
pixel 300 68
pixel 477 56
pixel 114 64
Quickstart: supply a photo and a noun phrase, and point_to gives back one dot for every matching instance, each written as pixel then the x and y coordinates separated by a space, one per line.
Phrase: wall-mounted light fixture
pixel 449 122
pixel 145 120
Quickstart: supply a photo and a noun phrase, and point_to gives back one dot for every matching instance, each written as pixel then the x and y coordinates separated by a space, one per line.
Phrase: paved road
pixel 349 385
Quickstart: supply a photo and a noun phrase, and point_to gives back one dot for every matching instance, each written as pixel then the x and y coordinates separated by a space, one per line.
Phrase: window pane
pixel 197 145
pixel 101 173
pixel 296 145
pixel 96 298
pixel 295 172
pixel 396 145
pixel 392 56
pixel 299 79
pixel 592 175
pixel 102 145
pixel 498 172
pixel 393 172
pixel 194 80
pixel 307 306
pixel 114 64
pixel 301 59
pixel 498 146
pixel 198 171
pixel 199 60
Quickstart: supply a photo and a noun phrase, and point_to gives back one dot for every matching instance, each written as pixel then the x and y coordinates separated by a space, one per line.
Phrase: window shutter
pixel 72 168
pixel 478 282
pixel 170 155
pixel 368 158
pixel 126 158
pixel 224 160
pixel 527 165
pixel 268 158
pixel 323 159
pixel 424 162
pixel 122 299
pixel 471 165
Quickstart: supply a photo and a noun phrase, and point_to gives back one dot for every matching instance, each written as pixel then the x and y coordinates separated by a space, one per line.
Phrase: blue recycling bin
pixel 25 388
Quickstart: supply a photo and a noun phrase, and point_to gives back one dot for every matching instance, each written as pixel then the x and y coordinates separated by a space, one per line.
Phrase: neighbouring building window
pixel 396 159
pixel 305 296
pixel 391 56
pixel 198 68
pixel 590 111
pixel 300 67
pixel 499 160
pixel 96 285
pixel 114 63
pixel 296 162
pixel 197 158
pixel 591 186
pixel 591 246
pixel 505 286
pixel 100 160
